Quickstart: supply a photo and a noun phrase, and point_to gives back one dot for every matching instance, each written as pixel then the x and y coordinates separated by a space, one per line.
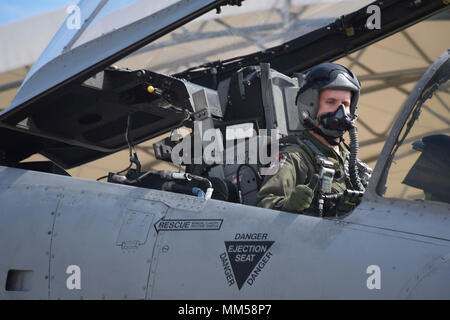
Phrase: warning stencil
pixel 244 256
pixel 187 224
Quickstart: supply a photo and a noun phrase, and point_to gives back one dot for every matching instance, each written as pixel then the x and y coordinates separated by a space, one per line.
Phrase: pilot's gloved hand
pixel 302 196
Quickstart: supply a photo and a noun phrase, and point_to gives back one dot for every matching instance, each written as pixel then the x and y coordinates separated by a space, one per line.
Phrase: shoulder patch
pixel 276 164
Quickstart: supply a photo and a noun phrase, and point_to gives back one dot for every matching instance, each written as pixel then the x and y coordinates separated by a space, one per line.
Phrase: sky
pixel 11 11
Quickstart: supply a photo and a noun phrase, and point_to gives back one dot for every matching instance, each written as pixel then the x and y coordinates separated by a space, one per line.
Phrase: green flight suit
pixel 297 165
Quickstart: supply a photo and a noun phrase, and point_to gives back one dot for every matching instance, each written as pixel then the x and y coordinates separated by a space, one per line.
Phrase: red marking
pixel 234 179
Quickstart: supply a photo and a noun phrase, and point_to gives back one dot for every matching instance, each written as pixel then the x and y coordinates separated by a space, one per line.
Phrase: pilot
pixel 318 158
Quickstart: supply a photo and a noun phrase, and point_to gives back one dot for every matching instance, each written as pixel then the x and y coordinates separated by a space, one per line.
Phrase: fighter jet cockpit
pixel 222 141
pixel 224 129
pixel 86 98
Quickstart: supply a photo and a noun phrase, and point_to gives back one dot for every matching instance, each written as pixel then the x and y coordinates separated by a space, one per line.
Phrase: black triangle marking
pixel 244 255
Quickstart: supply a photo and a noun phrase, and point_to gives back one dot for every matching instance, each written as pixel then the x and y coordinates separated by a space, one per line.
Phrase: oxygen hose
pixel 354 147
